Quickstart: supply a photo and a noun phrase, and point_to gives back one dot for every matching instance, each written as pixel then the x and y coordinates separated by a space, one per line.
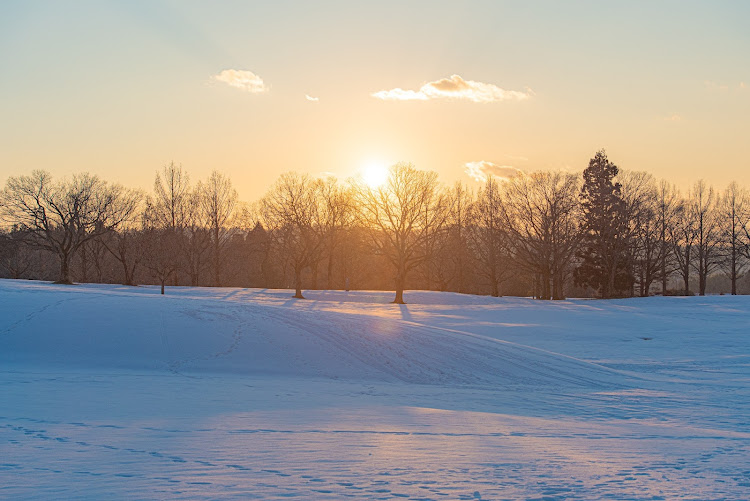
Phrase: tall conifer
pixel 603 253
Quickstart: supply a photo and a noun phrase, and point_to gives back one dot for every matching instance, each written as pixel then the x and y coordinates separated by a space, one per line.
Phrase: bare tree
pixel 15 254
pixel 158 246
pixel 123 244
pixel 158 243
pixel 640 194
pixel 668 208
pixel 489 235
pixel 172 201
pixel 401 215
pixel 61 217
pixel 703 204
pixel 291 210
pixel 734 212
pixel 218 200
pixel 91 256
pixel 452 259
pixel 541 213
pixel 683 238
pixel 336 216
pixel 195 238
pixel 177 206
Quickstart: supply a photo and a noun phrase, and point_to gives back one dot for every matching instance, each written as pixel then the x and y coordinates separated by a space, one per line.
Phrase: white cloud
pixel 454 87
pixel 242 79
pixel 481 170
pixel 312 99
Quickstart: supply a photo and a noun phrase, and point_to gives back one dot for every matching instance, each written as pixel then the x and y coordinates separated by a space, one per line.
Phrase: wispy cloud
pixel 715 86
pixel 242 79
pixel 454 87
pixel 673 118
pixel 725 87
pixel 312 99
pixel 481 170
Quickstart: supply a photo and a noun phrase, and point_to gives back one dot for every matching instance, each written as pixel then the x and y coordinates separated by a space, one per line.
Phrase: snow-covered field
pixel 110 392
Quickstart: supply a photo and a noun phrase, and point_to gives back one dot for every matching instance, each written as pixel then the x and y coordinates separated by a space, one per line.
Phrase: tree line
pixel 606 233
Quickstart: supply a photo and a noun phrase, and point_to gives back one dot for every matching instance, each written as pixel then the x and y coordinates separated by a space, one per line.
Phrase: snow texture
pixel 113 392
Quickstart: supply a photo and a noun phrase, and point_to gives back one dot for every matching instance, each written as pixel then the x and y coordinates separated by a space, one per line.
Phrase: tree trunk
pixel 217 259
pixel 162 285
pixel 493 282
pixel 648 279
pixel 686 279
pixel 546 294
pixel 128 273
pixel 495 289
pixel 399 289
pixel 64 269
pixel 734 270
pixel 663 258
pixel 298 283
pixel 329 272
pixel 314 285
pixel 557 286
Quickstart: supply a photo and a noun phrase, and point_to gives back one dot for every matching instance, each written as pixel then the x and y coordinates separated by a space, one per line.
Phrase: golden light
pixel 374 174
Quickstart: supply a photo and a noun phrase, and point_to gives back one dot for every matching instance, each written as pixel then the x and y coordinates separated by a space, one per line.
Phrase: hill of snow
pixel 119 392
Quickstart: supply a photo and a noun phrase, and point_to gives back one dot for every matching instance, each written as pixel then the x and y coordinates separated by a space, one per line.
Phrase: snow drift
pixel 264 333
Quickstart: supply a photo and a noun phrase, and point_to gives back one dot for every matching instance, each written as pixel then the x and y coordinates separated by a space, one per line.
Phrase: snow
pixel 113 392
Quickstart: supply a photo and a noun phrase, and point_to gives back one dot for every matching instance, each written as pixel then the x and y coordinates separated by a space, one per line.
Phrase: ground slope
pixel 118 393
pixel 135 328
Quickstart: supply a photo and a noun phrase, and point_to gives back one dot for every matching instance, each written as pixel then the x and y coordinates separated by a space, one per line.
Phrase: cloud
pixel 242 79
pixel 480 171
pixel 313 99
pixel 517 158
pixel 715 86
pixel 673 118
pixel 454 87
pixel 725 87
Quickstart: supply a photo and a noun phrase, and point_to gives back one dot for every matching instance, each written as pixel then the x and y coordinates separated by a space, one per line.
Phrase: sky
pixel 255 89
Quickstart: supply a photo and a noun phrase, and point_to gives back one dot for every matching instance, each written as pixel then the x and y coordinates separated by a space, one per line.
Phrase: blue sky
pixel 122 88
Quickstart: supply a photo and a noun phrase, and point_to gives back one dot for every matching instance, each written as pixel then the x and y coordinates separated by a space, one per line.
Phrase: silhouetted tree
pixel 683 242
pixel 541 215
pixel 488 236
pixel 218 200
pixel 15 254
pixel 291 211
pixel 667 207
pixel 336 217
pixel 734 213
pixel 645 249
pixel 401 215
pixel 62 216
pixel 604 245
pixel 452 257
pixel 703 208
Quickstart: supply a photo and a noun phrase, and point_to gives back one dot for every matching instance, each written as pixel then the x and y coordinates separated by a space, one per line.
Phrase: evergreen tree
pixel 604 247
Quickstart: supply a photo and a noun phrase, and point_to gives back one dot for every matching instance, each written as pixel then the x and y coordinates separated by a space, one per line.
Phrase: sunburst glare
pixel 374 174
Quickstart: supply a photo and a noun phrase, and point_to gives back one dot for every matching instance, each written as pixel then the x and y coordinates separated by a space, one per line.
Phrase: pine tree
pixel 603 253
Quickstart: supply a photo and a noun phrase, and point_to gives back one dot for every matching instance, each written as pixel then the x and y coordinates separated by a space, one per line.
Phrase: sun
pixel 374 174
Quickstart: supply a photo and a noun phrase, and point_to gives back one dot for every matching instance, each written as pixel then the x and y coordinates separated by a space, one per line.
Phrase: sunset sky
pixel 254 89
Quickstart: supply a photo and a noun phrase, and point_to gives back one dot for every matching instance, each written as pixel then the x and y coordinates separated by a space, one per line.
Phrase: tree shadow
pixel 405 314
